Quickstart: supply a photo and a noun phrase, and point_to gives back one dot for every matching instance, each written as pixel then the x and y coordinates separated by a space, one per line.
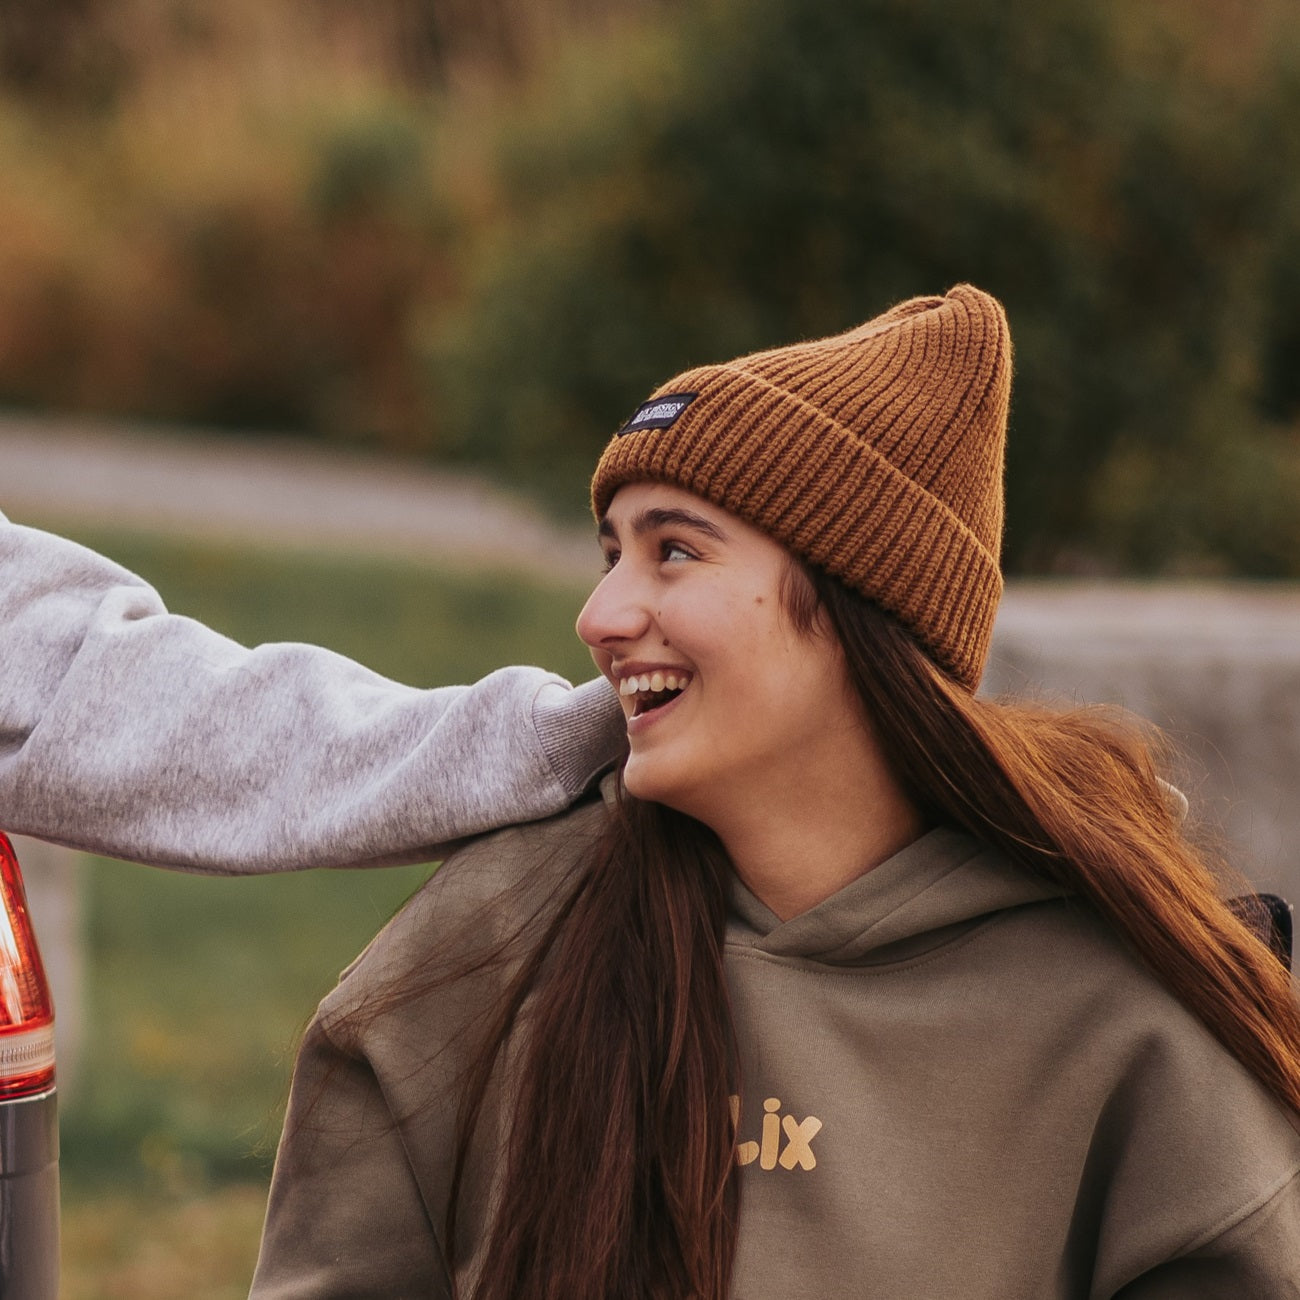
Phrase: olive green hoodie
pixel 956 1084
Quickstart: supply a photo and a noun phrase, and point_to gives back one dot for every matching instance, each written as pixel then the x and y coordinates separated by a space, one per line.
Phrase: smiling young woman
pixel 849 983
pixel 766 742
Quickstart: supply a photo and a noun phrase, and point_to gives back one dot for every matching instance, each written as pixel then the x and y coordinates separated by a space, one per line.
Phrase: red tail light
pixel 26 1010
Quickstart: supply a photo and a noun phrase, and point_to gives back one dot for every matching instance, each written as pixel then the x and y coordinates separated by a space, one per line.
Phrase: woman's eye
pixel 675 551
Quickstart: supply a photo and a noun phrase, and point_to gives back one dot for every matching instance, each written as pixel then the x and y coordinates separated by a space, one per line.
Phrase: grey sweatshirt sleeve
pixel 133 732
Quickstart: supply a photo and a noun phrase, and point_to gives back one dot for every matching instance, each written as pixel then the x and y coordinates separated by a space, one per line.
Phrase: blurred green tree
pixel 781 168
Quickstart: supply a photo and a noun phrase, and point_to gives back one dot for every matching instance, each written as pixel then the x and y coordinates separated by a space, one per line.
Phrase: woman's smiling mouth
pixel 652 690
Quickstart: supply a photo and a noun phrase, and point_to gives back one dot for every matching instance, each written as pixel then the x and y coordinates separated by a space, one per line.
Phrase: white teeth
pixel 655 682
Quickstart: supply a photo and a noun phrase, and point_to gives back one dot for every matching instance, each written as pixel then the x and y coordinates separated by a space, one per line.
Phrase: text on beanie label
pixel 658 412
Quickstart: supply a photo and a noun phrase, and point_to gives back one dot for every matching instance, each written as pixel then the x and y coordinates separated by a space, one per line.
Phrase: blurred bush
pixel 483 232
pixel 229 241
pixel 789 169
pixel 59 51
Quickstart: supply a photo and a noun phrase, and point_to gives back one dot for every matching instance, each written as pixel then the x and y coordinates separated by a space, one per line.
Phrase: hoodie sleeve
pixel 129 731
pixel 345 1218
pixel 1256 1256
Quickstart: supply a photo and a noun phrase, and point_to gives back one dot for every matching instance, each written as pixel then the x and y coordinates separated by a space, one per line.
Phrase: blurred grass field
pixel 197 988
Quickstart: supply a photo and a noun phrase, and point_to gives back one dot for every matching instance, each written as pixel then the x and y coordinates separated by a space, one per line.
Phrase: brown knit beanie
pixel 875 455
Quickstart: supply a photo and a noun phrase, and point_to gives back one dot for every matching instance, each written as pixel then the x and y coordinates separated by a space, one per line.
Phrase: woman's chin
pixel 648 781
pixel 641 780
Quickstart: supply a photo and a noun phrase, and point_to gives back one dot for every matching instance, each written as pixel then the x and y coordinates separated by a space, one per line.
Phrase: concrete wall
pixel 1217 665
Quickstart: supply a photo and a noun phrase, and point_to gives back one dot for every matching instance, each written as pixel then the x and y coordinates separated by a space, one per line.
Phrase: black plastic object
pixel 1270 917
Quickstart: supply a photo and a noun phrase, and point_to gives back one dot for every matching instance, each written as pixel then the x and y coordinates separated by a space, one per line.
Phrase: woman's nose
pixel 615 611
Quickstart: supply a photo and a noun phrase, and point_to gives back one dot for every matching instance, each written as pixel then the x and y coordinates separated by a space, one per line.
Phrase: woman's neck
pixel 815 830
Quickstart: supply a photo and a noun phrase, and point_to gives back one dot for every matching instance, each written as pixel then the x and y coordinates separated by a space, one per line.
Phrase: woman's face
pixel 722 695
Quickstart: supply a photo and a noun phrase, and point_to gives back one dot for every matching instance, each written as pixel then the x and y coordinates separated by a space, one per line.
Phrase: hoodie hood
pixel 926 894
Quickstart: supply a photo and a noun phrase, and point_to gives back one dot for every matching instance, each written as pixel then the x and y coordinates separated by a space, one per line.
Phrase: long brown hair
pixel 1076 798
pixel 633 1193
pixel 619 1160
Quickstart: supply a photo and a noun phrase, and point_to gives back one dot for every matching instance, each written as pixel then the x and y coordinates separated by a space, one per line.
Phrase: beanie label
pixel 658 412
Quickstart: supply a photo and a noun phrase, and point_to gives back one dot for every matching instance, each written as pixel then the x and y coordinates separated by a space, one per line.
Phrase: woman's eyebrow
pixel 655 517
pixel 673 517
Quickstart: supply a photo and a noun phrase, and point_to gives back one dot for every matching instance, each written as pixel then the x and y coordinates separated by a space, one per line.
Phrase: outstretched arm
pixel 133 732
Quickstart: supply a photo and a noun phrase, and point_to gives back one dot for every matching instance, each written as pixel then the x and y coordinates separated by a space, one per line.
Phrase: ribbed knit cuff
pixel 582 731
pixel 831 498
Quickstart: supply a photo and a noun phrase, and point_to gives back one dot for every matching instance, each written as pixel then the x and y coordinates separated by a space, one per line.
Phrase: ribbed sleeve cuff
pixel 582 731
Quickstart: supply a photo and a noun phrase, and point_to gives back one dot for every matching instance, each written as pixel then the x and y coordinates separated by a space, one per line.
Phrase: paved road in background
pixel 278 490
pixel 274 490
